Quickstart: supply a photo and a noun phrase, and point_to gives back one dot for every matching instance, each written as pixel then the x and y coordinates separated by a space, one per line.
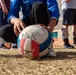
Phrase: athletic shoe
pixel 13 45
pixel 68 46
pixel 51 51
pixel 5 46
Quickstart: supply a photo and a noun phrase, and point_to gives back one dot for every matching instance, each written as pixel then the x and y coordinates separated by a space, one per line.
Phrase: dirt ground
pixel 12 63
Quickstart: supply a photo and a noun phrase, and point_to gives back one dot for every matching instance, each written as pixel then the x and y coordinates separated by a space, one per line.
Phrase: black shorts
pixel 69 17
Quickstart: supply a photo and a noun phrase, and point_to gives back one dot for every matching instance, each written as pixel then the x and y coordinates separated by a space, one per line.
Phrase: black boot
pixel 67 45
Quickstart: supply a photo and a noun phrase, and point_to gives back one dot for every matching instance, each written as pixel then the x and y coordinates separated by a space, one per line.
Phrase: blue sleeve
pixel 53 9
pixel 14 9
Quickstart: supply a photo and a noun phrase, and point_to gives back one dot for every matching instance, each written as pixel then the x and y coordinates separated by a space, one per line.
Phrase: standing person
pixel 44 12
pixel 4 9
pixel 69 19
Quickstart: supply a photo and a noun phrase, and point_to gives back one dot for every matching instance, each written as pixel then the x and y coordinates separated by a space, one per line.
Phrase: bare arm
pixel 51 25
pixel 4 8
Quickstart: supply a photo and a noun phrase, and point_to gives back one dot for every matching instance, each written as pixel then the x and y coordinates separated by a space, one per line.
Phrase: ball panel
pixel 46 43
pixel 18 42
pixel 22 41
pixel 27 44
pixel 40 31
pixel 35 32
pixel 46 51
pixel 35 49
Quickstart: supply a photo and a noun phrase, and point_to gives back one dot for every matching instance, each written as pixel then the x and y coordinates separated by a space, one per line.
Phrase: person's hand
pixel 44 26
pixel 67 1
pixel 51 25
pixel 18 25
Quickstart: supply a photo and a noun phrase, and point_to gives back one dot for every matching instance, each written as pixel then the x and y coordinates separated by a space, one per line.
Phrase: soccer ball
pixel 35 42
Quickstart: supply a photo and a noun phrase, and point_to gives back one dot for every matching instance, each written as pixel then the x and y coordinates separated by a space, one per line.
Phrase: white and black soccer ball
pixel 35 42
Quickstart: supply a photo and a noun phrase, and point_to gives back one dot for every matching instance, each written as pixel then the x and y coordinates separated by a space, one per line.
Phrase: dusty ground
pixel 12 63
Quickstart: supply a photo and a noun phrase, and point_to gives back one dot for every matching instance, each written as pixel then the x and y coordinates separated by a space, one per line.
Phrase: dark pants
pixel 39 14
pixel 3 18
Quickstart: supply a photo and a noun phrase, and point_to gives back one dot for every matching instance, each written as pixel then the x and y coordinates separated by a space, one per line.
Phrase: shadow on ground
pixel 61 54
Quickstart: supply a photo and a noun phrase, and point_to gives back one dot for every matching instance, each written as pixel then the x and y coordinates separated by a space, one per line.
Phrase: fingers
pixel 18 28
pixel 16 31
pixel 19 25
pixel 22 25
pixel 43 26
pixel 46 27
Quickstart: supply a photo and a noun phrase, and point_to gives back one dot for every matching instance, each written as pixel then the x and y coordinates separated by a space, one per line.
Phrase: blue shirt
pixel 52 7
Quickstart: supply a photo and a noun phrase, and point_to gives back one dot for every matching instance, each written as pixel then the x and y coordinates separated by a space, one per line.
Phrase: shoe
pixel 51 51
pixel 13 45
pixel 52 54
pixel 68 46
pixel 5 46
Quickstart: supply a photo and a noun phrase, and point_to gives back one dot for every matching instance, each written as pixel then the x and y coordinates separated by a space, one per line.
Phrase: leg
pixel 66 22
pixel 39 13
pixel 65 35
pixel 7 33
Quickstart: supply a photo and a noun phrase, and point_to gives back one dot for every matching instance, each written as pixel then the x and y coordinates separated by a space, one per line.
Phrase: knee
pixel 39 5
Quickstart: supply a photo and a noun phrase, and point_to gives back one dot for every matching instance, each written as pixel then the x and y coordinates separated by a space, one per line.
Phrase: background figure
pixel 69 19
pixel 41 12
pixel 4 9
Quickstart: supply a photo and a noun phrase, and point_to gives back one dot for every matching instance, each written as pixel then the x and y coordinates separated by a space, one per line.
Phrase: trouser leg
pixel 39 13
pixel 7 33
